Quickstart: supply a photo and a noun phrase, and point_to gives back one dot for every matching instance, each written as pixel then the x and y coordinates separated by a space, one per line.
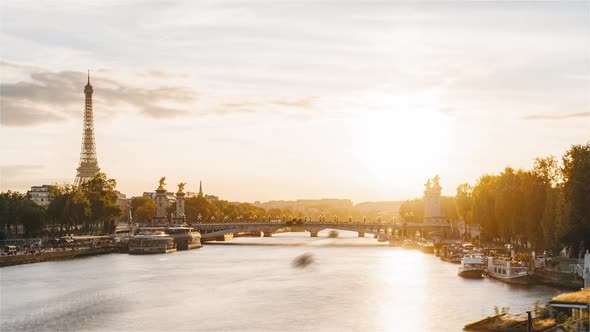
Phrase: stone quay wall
pixel 54 255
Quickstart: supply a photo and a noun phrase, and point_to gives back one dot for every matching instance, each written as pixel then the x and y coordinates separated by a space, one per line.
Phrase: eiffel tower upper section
pixel 88 167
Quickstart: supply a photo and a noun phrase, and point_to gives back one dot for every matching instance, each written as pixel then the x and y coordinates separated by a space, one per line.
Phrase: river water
pixel 362 287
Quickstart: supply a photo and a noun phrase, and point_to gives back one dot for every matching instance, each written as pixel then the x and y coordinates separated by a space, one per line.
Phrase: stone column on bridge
pixel 179 215
pixel 267 234
pixel 161 204
pixel 313 234
pixel 361 234
pixel 432 201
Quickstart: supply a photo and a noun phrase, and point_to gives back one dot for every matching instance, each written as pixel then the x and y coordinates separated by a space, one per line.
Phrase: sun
pixel 403 145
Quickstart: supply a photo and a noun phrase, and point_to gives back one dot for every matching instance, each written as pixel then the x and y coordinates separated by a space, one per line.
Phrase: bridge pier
pixel 267 234
pixel 361 234
pixel 313 234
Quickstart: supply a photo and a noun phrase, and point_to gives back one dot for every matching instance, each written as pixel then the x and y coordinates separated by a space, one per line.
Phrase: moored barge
pixel 153 243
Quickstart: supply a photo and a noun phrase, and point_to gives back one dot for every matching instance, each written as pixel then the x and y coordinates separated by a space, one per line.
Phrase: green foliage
pixel 543 208
pixel 464 202
pixel 142 209
pixel 20 216
pixel 576 191
pixel 412 210
pixel 89 208
pixel 202 210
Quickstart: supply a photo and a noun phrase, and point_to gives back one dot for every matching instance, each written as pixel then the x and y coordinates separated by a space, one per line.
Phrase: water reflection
pixel 254 288
pixel 402 282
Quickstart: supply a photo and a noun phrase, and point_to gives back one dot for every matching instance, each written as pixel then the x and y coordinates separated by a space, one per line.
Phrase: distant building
pixel 123 203
pixel 40 194
pixel 308 205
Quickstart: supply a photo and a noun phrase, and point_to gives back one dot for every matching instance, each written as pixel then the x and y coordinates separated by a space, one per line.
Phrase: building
pixel 88 167
pixel 123 202
pixel 41 195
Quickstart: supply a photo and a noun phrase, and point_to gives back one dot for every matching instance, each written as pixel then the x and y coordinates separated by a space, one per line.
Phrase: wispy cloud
pixel 18 170
pixel 300 103
pixel 52 96
pixel 557 116
pixel 239 105
pixel 264 105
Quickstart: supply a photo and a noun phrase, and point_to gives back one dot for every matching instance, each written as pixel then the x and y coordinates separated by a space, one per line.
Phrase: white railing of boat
pixel 577 269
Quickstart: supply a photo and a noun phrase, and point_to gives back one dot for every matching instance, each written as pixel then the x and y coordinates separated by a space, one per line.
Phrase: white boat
pixel 508 270
pixel 185 237
pixel 155 242
pixel 409 244
pixel 472 266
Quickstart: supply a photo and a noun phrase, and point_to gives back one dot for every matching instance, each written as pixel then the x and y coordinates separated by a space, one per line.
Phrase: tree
pixel 464 202
pixel 100 191
pixel 449 208
pixel 68 209
pixel 412 210
pixel 33 219
pixel 576 190
pixel 143 209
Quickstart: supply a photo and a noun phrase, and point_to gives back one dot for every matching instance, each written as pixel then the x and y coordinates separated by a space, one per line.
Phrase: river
pixel 362 287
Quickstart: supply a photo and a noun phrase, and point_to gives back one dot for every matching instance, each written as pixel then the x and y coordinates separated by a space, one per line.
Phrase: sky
pixel 269 100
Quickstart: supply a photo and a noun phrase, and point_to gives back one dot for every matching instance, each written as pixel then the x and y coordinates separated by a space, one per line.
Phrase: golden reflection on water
pixel 403 290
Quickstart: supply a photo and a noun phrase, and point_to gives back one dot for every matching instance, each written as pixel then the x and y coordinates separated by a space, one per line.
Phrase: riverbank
pixel 55 255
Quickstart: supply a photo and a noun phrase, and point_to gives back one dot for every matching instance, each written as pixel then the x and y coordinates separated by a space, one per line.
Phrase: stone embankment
pixel 55 255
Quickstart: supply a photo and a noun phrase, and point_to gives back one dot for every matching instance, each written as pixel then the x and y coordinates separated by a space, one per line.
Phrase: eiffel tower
pixel 88 167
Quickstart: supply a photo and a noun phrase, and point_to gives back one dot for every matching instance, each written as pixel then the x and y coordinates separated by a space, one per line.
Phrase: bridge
pixel 220 231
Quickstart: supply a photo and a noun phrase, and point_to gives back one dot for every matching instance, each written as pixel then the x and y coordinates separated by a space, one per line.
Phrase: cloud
pixel 300 103
pixel 254 107
pixel 557 116
pixel 19 170
pixel 226 111
pixel 239 105
pixel 54 96
pixel 14 114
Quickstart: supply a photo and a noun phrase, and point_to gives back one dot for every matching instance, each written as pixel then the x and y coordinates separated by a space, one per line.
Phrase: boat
pixel 408 244
pixel 185 238
pixel 426 247
pixel 451 253
pixel 303 261
pixel 151 242
pixel 395 241
pixel 508 270
pixel 472 266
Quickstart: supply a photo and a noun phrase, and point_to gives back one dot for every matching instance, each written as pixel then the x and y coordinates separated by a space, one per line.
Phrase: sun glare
pixel 403 144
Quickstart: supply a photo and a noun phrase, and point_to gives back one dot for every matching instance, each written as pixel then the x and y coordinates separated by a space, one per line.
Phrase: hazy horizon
pixel 298 100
